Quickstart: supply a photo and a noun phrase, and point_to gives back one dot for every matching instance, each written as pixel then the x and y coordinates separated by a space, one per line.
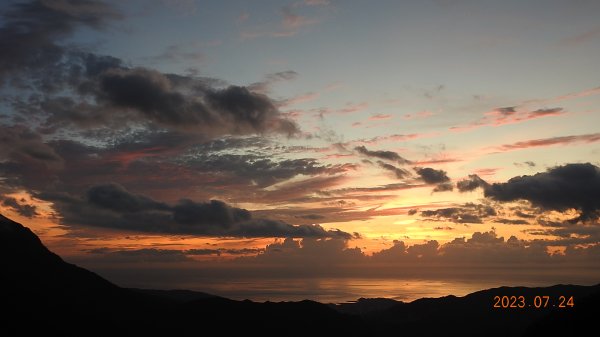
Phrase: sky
pixel 167 143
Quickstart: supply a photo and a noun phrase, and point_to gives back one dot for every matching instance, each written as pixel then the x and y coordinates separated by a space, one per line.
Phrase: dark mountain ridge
pixel 41 292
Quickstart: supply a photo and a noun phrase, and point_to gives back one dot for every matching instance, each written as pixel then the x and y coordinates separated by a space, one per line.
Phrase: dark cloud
pixel 232 110
pixel 74 88
pixel 512 221
pixel 522 214
pixel 546 112
pixel 445 187
pixel 471 184
pixel 507 111
pixel 572 186
pixel 467 213
pixel 29 35
pixel 115 198
pixel 400 173
pixel 25 210
pixel 260 169
pixel 22 145
pixel 386 155
pixel 188 212
pixel 113 206
pixel 310 216
pixel 432 176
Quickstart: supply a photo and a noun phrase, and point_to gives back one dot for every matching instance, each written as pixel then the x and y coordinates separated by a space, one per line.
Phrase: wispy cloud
pixel 581 38
pixel 565 140
pixel 509 115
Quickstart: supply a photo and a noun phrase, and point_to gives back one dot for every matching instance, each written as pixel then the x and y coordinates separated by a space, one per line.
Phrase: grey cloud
pixel 260 170
pixel 386 155
pixel 432 176
pixel 28 38
pixel 512 221
pixel 25 210
pixel 400 173
pixel 232 110
pixel 80 89
pixel 467 213
pixel 265 85
pixel 113 206
pixel 471 184
pixel 22 145
pixel 572 186
pixel 507 111
pixel 114 197
pixel 445 187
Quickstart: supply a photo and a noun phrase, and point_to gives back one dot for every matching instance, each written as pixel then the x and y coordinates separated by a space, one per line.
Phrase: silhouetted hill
pixel 39 291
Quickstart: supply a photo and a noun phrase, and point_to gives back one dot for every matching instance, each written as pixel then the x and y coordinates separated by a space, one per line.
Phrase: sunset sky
pixel 160 143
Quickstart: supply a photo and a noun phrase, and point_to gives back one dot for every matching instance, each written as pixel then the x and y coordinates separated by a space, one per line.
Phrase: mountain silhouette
pixel 41 292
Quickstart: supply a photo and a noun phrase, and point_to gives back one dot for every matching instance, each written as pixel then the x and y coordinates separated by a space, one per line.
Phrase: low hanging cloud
pixel 386 155
pixel 482 255
pixel 571 186
pixel 432 176
pixel 112 206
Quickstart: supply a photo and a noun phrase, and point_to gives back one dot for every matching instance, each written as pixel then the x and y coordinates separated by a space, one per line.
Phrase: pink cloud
pixel 584 93
pixel 392 138
pixel 581 38
pixel 486 171
pixel 380 117
pixel 437 161
pixel 292 21
pixel 310 96
pixel 418 115
pixel 508 115
pixel 565 140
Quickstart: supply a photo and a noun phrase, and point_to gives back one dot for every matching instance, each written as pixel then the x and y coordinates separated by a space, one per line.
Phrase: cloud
pixel 565 140
pixel 317 2
pixel 509 115
pixel 467 213
pixel 179 53
pixel 432 176
pixel 512 221
pixel 572 186
pixel 400 173
pixel 581 38
pixel 22 145
pixel 79 89
pixel 265 85
pixel 261 170
pixel 292 21
pixel 386 155
pixel 112 206
pixel 28 38
pixel 377 117
pixel 482 256
pixel 232 110
pixel 25 210
pixel 471 184
pixel 445 187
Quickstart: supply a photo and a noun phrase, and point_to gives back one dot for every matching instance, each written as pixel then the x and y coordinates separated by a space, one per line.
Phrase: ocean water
pixel 340 290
